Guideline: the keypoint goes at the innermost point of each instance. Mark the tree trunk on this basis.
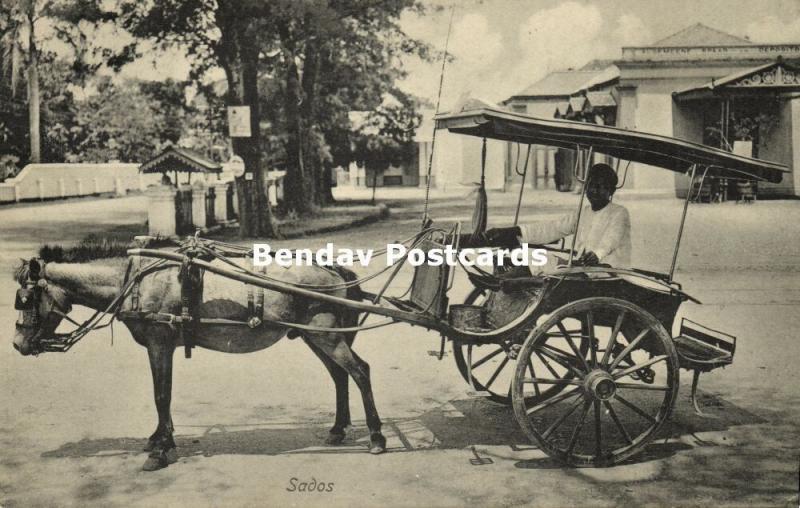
(33, 97)
(255, 216)
(325, 190)
(296, 196)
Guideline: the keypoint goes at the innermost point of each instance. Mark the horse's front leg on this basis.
(160, 349)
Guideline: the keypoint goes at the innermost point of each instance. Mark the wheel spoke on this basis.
(533, 375)
(536, 380)
(613, 339)
(562, 418)
(590, 330)
(633, 407)
(598, 436)
(578, 427)
(614, 417)
(640, 386)
(554, 400)
(572, 346)
(486, 358)
(627, 350)
(560, 358)
(634, 368)
(546, 363)
(496, 373)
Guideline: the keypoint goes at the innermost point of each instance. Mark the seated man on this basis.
(604, 233)
(603, 238)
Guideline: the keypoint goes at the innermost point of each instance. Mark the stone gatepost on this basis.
(119, 189)
(161, 211)
(199, 203)
(221, 202)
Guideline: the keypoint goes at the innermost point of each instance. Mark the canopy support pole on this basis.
(522, 183)
(585, 181)
(683, 221)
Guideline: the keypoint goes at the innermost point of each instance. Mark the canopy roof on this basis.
(174, 158)
(478, 119)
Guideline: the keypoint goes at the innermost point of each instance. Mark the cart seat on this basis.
(429, 285)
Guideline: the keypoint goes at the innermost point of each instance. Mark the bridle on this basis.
(29, 301)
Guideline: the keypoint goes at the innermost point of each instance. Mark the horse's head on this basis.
(41, 307)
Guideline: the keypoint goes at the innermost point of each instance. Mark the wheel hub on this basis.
(600, 385)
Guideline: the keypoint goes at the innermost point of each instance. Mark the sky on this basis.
(502, 46)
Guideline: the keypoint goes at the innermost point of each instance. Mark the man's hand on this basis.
(589, 258)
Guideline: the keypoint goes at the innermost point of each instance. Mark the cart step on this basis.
(701, 348)
(478, 393)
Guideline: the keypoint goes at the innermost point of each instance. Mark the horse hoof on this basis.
(160, 459)
(377, 444)
(150, 446)
(335, 439)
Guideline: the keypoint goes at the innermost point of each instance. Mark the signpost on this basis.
(239, 121)
(236, 165)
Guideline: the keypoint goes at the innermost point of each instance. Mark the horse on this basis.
(97, 277)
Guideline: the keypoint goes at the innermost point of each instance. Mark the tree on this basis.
(332, 58)
(154, 116)
(20, 30)
(229, 34)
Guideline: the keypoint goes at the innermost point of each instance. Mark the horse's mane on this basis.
(93, 247)
(90, 248)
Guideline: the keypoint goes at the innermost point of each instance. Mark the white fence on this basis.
(52, 181)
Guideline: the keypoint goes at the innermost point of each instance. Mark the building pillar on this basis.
(161, 211)
(199, 204)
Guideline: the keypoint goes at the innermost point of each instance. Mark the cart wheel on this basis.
(493, 369)
(620, 395)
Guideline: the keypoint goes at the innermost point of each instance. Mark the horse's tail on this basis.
(354, 292)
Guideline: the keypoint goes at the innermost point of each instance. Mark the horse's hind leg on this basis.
(160, 349)
(342, 383)
(336, 347)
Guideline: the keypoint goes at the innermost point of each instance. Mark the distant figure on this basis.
(165, 180)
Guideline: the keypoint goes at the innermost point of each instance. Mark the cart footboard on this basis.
(702, 349)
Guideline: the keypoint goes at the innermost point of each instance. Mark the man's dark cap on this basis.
(604, 172)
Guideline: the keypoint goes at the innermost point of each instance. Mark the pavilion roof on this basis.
(182, 160)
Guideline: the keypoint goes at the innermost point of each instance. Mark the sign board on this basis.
(248, 176)
(239, 121)
(236, 166)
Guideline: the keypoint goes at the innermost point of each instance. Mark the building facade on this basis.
(700, 84)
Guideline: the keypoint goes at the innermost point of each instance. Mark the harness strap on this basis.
(158, 317)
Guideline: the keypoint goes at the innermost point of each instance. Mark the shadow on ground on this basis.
(483, 423)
